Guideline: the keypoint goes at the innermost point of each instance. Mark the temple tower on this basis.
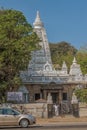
(42, 56)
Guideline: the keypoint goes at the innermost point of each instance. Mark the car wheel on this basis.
(24, 123)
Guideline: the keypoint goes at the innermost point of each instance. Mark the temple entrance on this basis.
(55, 91)
(55, 97)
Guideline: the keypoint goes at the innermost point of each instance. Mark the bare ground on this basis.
(60, 119)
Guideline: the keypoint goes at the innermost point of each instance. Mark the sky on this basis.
(64, 20)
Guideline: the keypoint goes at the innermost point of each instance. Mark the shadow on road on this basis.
(16, 127)
(69, 126)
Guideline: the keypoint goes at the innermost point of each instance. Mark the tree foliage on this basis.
(81, 95)
(82, 58)
(17, 40)
(62, 51)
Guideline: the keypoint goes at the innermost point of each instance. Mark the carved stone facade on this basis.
(41, 78)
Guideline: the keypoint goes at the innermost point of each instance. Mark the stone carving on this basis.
(49, 99)
(74, 99)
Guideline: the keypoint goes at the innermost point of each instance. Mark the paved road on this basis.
(81, 126)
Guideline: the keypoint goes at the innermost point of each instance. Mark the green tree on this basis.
(62, 51)
(81, 95)
(82, 60)
(17, 40)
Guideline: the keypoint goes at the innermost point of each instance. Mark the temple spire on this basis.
(75, 68)
(38, 23)
(64, 68)
(74, 61)
(64, 65)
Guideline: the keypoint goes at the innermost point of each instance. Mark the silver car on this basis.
(12, 117)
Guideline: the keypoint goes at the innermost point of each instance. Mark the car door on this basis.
(10, 117)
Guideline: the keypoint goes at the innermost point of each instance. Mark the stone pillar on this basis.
(45, 95)
(49, 99)
(27, 98)
(75, 105)
(40, 95)
(50, 105)
(60, 96)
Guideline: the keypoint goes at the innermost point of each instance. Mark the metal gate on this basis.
(50, 110)
(65, 108)
(75, 110)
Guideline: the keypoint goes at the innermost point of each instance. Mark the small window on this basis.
(64, 96)
(37, 96)
(8, 111)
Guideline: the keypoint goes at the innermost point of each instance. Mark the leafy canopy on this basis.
(82, 58)
(62, 51)
(82, 95)
(17, 40)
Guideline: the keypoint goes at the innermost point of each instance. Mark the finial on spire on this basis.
(74, 61)
(38, 23)
(38, 14)
(38, 17)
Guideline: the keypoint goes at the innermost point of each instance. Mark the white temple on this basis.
(40, 68)
(41, 78)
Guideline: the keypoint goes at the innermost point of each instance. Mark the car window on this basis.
(8, 111)
(15, 112)
(1, 111)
